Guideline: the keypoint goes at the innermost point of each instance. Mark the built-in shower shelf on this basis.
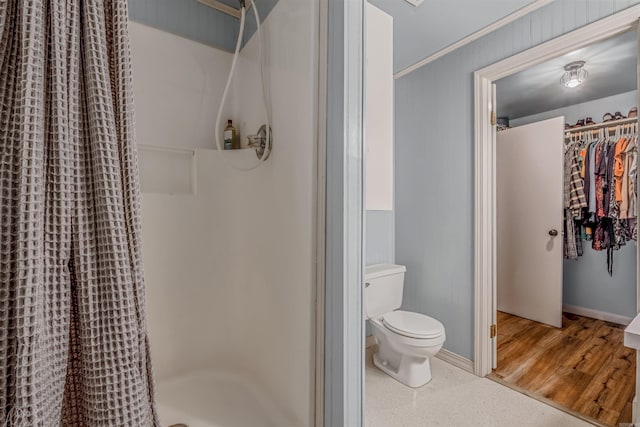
(166, 170)
(192, 150)
(172, 170)
(226, 151)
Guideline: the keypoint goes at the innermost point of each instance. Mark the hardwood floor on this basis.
(583, 367)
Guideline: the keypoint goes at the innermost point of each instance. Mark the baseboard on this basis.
(596, 314)
(455, 360)
(370, 341)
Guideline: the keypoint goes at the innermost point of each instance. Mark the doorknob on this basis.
(553, 232)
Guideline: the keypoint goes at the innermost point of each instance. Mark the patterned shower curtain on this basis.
(73, 341)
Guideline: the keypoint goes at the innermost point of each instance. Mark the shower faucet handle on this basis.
(256, 141)
(261, 143)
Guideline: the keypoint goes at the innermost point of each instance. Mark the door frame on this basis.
(320, 218)
(485, 176)
(340, 326)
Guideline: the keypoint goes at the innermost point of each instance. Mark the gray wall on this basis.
(193, 20)
(586, 282)
(434, 164)
(379, 241)
(379, 237)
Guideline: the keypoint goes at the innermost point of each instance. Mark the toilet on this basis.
(405, 339)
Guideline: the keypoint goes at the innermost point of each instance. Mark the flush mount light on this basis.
(574, 74)
(416, 3)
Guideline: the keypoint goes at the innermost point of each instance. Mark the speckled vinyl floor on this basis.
(454, 398)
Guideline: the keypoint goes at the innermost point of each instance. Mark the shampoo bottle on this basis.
(230, 136)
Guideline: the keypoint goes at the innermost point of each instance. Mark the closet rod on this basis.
(609, 124)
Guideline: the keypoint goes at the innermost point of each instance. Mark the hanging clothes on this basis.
(592, 179)
(576, 197)
(600, 193)
(574, 201)
(627, 210)
(601, 160)
(621, 146)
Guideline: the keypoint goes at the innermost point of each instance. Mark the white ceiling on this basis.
(421, 31)
(611, 65)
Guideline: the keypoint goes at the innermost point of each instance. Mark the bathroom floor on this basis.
(583, 367)
(453, 398)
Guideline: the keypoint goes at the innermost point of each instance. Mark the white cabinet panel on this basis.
(379, 110)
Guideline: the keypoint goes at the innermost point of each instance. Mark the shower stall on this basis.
(229, 254)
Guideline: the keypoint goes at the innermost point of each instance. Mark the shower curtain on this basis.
(73, 341)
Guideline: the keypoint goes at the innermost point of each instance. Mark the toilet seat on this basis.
(413, 325)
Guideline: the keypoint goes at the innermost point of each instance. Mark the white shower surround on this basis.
(230, 270)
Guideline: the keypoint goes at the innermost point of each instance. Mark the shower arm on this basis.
(225, 8)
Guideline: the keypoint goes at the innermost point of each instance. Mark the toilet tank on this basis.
(383, 285)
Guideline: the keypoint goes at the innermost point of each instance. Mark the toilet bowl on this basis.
(406, 339)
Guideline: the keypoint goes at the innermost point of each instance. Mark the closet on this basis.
(566, 230)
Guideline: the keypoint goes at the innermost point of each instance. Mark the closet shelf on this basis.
(609, 124)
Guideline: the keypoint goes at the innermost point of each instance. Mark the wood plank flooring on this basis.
(583, 367)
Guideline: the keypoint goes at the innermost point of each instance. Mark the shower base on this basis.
(215, 399)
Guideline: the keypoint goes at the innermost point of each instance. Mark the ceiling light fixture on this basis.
(416, 3)
(574, 74)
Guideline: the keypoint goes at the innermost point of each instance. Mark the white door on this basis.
(529, 187)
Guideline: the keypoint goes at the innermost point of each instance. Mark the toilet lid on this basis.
(413, 325)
